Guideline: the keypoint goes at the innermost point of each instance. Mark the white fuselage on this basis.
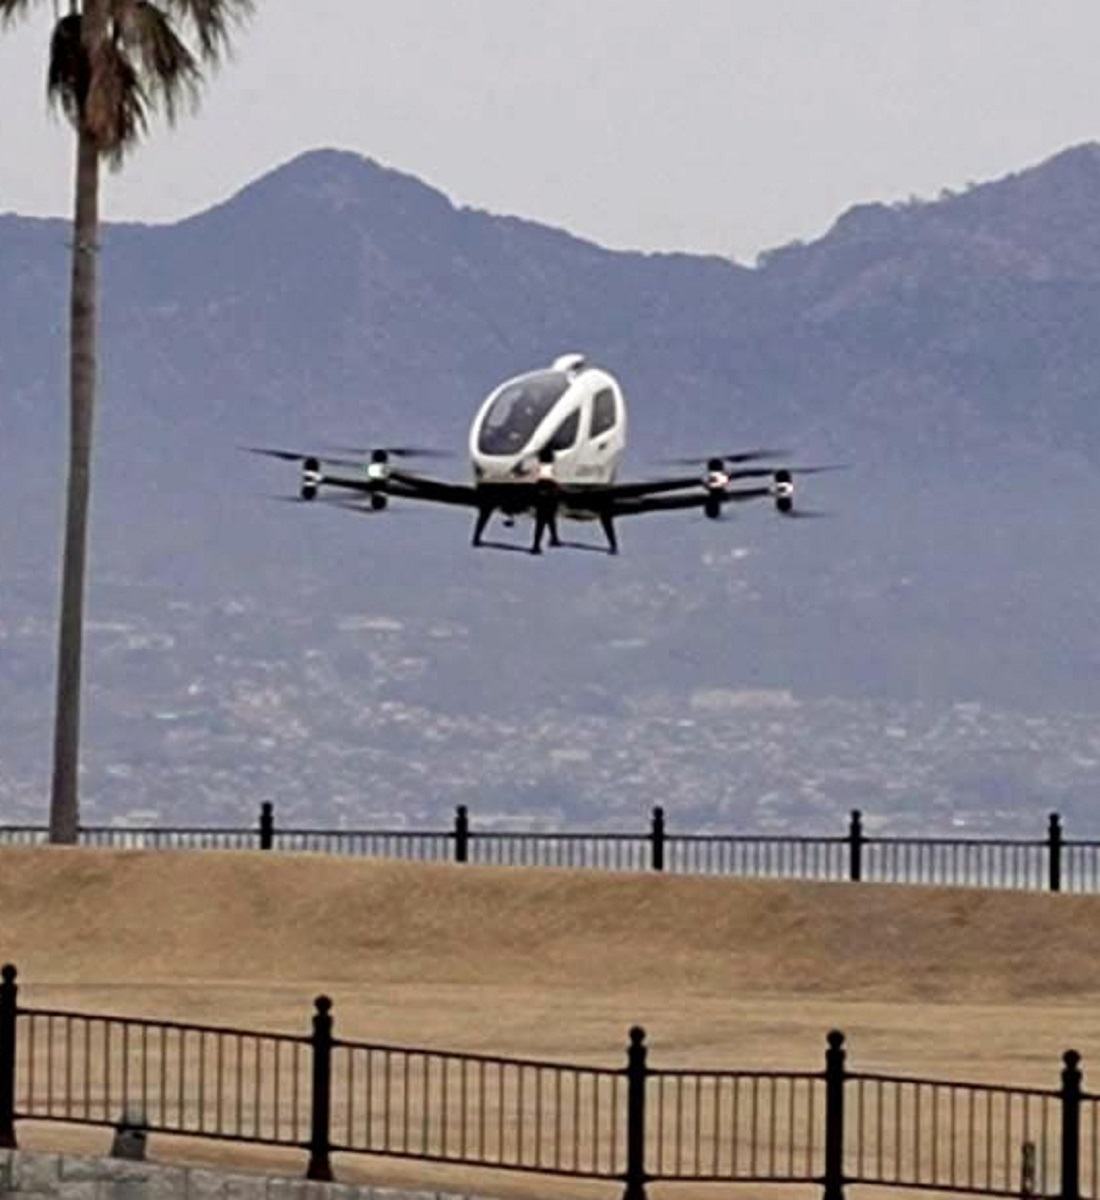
(567, 423)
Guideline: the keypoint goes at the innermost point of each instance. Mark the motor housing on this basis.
(715, 481)
(783, 491)
(311, 478)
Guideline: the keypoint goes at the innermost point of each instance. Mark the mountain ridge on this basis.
(347, 303)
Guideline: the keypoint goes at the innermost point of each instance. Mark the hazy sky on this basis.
(720, 125)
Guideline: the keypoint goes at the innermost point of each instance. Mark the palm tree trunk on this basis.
(64, 798)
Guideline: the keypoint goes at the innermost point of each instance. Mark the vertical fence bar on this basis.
(462, 834)
(635, 1116)
(320, 1166)
(8, 994)
(834, 1117)
(657, 839)
(1071, 1126)
(1054, 852)
(855, 846)
(267, 825)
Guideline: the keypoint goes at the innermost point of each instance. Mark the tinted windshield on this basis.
(517, 411)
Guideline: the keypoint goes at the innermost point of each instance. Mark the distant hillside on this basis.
(335, 293)
(945, 350)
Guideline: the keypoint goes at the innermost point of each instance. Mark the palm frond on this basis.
(67, 75)
(169, 71)
(115, 109)
(212, 21)
(12, 10)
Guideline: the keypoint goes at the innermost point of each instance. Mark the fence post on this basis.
(855, 846)
(462, 834)
(635, 1115)
(834, 1117)
(1054, 848)
(657, 839)
(267, 825)
(320, 1168)
(1071, 1126)
(8, 994)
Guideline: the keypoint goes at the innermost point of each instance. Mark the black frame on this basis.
(1052, 862)
(633, 1125)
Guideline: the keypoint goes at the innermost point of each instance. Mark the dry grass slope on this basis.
(555, 963)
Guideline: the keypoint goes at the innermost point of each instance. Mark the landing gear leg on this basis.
(546, 520)
(608, 527)
(483, 515)
(543, 521)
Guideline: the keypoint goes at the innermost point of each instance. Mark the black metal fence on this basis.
(631, 1124)
(1052, 862)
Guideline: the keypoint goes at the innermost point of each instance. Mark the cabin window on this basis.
(566, 433)
(516, 413)
(603, 412)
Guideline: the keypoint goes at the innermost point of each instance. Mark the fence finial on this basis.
(320, 1165)
(1071, 1126)
(1054, 852)
(657, 839)
(855, 846)
(462, 834)
(267, 825)
(834, 1116)
(636, 1072)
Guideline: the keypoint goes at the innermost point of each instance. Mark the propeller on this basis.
(285, 455)
(393, 451)
(764, 472)
(298, 456)
(739, 456)
(798, 514)
(364, 507)
(366, 510)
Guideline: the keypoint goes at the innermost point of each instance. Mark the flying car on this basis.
(547, 445)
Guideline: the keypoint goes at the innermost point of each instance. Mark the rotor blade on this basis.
(419, 452)
(343, 462)
(298, 456)
(285, 455)
(395, 451)
(741, 456)
(347, 505)
(738, 456)
(363, 508)
(764, 472)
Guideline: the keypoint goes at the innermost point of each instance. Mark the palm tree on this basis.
(110, 63)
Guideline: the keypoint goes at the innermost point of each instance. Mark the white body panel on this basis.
(523, 416)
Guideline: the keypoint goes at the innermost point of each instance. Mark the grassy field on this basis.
(554, 964)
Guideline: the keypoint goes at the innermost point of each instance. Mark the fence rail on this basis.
(1050, 863)
(479, 1110)
(182, 1079)
(633, 1124)
(735, 1126)
(957, 1137)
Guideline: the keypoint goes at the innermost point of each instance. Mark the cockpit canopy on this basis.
(518, 410)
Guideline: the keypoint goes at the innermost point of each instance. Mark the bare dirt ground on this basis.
(973, 985)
